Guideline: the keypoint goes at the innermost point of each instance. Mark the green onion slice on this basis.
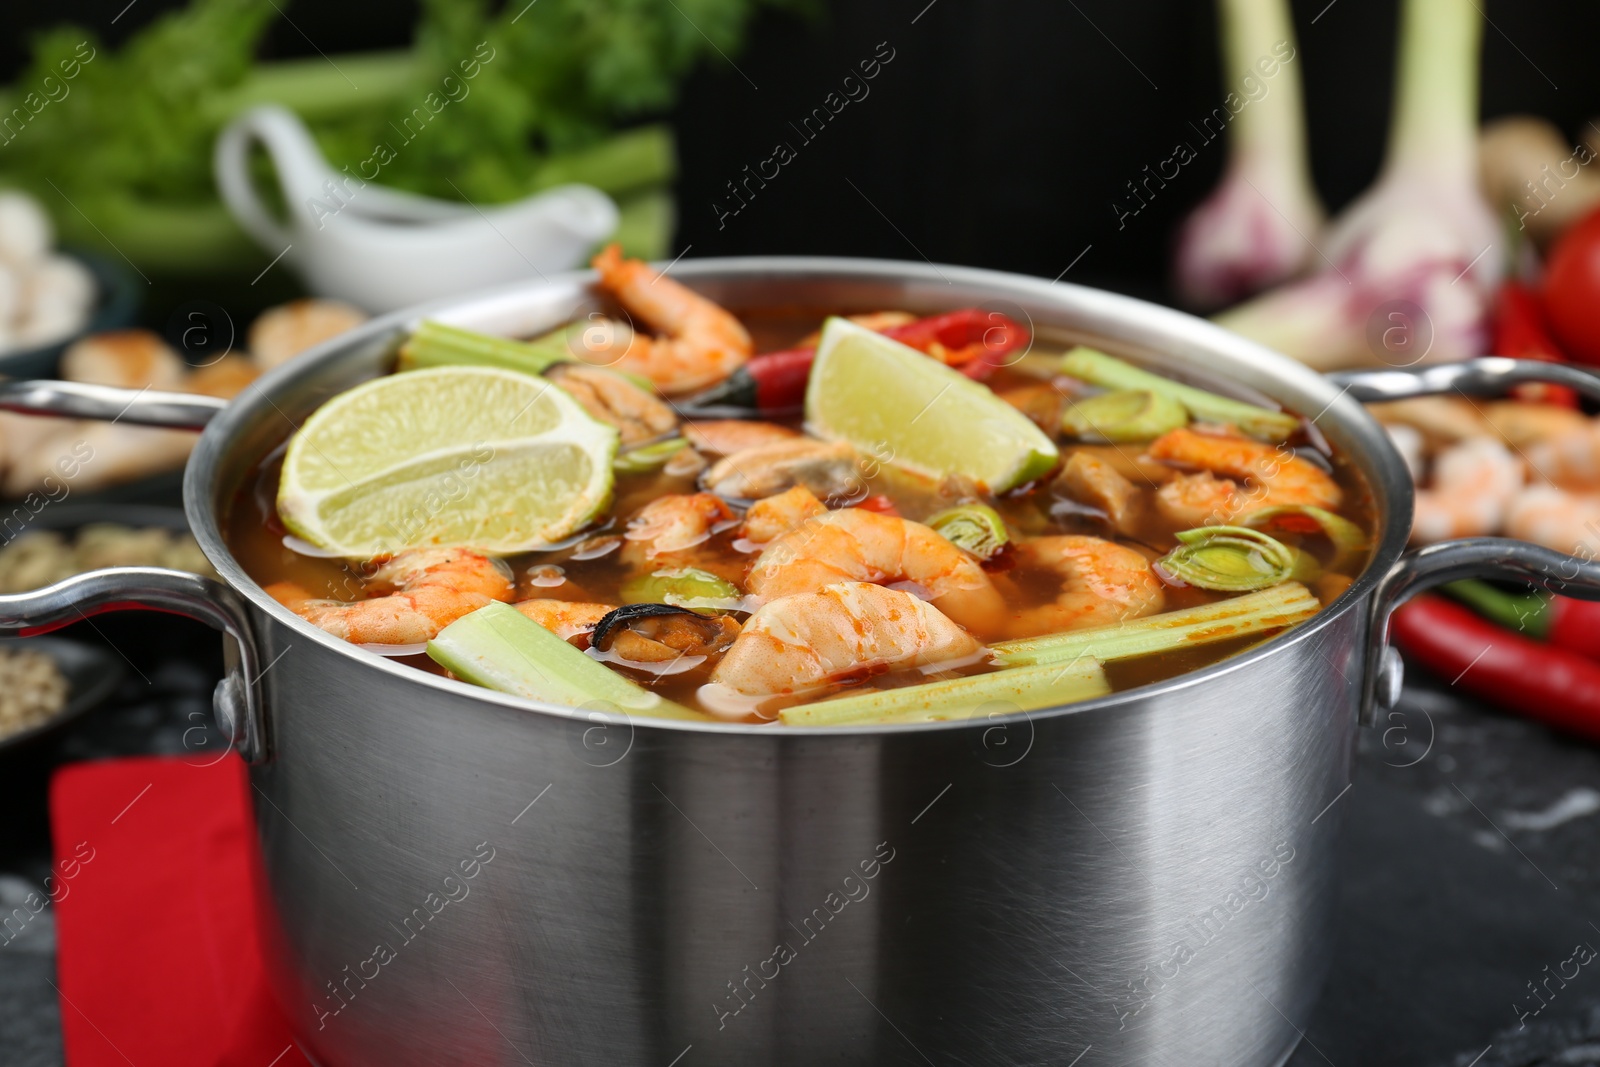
(1229, 559)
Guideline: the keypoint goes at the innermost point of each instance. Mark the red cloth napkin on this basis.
(158, 957)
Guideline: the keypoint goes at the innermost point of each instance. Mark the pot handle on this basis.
(1446, 561)
(1487, 557)
(79, 400)
(1489, 376)
(237, 698)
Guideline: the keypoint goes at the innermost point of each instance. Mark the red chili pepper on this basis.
(1556, 620)
(1550, 685)
(878, 503)
(971, 340)
(1521, 331)
(971, 337)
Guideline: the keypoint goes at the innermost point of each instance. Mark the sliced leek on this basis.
(1229, 559)
(643, 459)
(500, 648)
(682, 587)
(974, 696)
(1124, 415)
(1254, 613)
(1349, 540)
(1108, 372)
(977, 528)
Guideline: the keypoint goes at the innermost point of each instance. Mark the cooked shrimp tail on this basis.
(1234, 476)
(700, 342)
(429, 589)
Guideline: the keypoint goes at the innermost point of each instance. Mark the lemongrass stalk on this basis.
(974, 696)
(502, 649)
(1108, 372)
(434, 344)
(1254, 613)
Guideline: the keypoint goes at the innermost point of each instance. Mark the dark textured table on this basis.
(1472, 864)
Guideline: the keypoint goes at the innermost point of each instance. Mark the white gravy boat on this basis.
(382, 249)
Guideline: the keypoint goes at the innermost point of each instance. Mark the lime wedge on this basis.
(898, 405)
(477, 456)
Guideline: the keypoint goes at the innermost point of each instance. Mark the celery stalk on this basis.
(1254, 613)
(500, 648)
(315, 89)
(1097, 368)
(436, 345)
(623, 162)
(1000, 693)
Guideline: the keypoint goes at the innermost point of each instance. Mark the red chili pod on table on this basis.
(1550, 685)
(1555, 620)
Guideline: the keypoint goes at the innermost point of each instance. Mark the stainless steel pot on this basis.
(458, 876)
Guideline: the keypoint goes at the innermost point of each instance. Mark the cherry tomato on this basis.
(1572, 290)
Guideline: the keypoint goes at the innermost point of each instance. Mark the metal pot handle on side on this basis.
(237, 699)
(1470, 557)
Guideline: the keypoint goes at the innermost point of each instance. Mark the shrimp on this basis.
(1442, 420)
(1102, 583)
(676, 523)
(615, 401)
(667, 532)
(1473, 482)
(570, 620)
(854, 545)
(1521, 423)
(804, 642)
(1570, 459)
(776, 515)
(1277, 476)
(1555, 518)
(432, 587)
(827, 468)
(723, 437)
(701, 344)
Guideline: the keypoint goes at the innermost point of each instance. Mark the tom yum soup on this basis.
(909, 519)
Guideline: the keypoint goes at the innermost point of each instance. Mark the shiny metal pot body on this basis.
(457, 876)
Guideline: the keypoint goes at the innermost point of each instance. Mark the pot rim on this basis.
(1384, 470)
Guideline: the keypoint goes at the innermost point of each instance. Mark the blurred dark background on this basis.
(1000, 133)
